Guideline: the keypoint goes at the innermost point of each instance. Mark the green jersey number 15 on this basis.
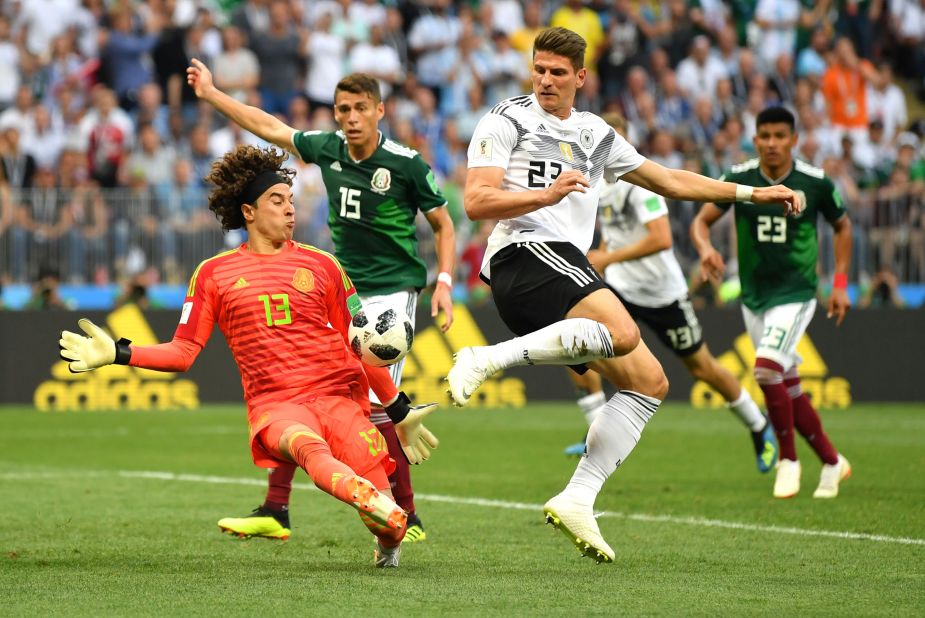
(349, 203)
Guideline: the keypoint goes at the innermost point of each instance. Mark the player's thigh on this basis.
(536, 284)
(407, 301)
(781, 329)
(353, 439)
(637, 371)
(273, 424)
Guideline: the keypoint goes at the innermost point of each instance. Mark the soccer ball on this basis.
(380, 335)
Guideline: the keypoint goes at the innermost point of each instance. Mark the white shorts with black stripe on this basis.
(777, 331)
(535, 284)
(407, 301)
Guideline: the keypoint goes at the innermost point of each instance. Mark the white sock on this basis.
(592, 405)
(567, 342)
(611, 439)
(748, 412)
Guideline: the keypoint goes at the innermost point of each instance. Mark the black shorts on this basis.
(535, 284)
(675, 325)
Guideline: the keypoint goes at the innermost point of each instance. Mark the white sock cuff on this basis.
(585, 340)
(743, 397)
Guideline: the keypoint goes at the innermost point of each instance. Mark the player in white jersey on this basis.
(536, 165)
(638, 263)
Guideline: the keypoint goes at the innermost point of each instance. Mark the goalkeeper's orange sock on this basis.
(313, 455)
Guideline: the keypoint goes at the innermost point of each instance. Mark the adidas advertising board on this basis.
(842, 365)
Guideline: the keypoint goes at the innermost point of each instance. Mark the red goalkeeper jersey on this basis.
(285, 317)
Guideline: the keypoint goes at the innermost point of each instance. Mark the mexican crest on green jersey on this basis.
(372, 205)
(778, 253)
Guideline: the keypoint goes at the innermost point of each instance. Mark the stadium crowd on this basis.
(104, 147)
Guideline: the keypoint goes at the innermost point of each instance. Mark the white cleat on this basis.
(831, 476)
(466, 375)
(578, 524)
(787, 483)
(386, 558)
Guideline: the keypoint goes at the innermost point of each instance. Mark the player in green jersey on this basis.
(375, 189)
(777, 270)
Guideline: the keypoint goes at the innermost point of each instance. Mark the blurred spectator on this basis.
(700, 71)
(886, 102)
(433, 38)
(908, 20)
(882, 291)
(279, 52)
(175, 47)
(18, 165)
(43, 20)
(152, 110)
(470, 261)
(727, 51)
(625, 43)
(9, 64)
(85, 217)
(844, 86)
(300, 114)
(199, 154)
(471, 68)
(46, 295)
(508, 74)
(368, 13)
(126, 54)
(781, 78)
(37, 225)
(680, 31)
(326, 56)
(236, 69)
(106, 133)
(42, 140)
(856, 19)
(522, 37)
(394, 35)
(135, 292)
(149, 158)
(20, 114)
(374, 57)
(811, 62)
(252, 17)
(777, 22)
(673, 108)
(662, 149)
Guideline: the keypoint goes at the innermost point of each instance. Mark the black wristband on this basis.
(123, 352)
(398, 409)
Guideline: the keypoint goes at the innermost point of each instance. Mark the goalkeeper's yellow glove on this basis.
(416, 440)
(95, 350)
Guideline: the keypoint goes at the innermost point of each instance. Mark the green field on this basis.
(114, 514)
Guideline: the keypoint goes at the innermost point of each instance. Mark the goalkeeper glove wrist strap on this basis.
(123, 352)
(398, 409)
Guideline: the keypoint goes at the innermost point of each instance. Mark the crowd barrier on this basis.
(874, 356)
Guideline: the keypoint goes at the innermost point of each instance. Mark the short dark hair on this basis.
(776, 114)
(562, 42)
(360, 83)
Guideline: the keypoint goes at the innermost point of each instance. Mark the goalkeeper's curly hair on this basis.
(233, 172)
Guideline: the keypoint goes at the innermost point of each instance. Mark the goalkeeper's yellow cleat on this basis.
(262, 523)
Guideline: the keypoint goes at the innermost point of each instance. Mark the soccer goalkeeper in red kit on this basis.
(284, 309)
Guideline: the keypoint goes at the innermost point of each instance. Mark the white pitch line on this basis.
(500, 504)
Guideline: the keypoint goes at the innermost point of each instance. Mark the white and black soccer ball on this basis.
(380, 335)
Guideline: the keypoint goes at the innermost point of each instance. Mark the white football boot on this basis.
(577, 522)
(468, 373)
(831, 476)
(787, 483)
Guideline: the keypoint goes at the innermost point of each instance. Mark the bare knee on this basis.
(625, 336)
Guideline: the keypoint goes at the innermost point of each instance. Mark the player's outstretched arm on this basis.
(96, 349)
(711, 262)
(839, 303)
(684, 185)
(485, 199)
(255, 120)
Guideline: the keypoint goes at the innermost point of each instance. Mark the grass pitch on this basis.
(113, 514)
